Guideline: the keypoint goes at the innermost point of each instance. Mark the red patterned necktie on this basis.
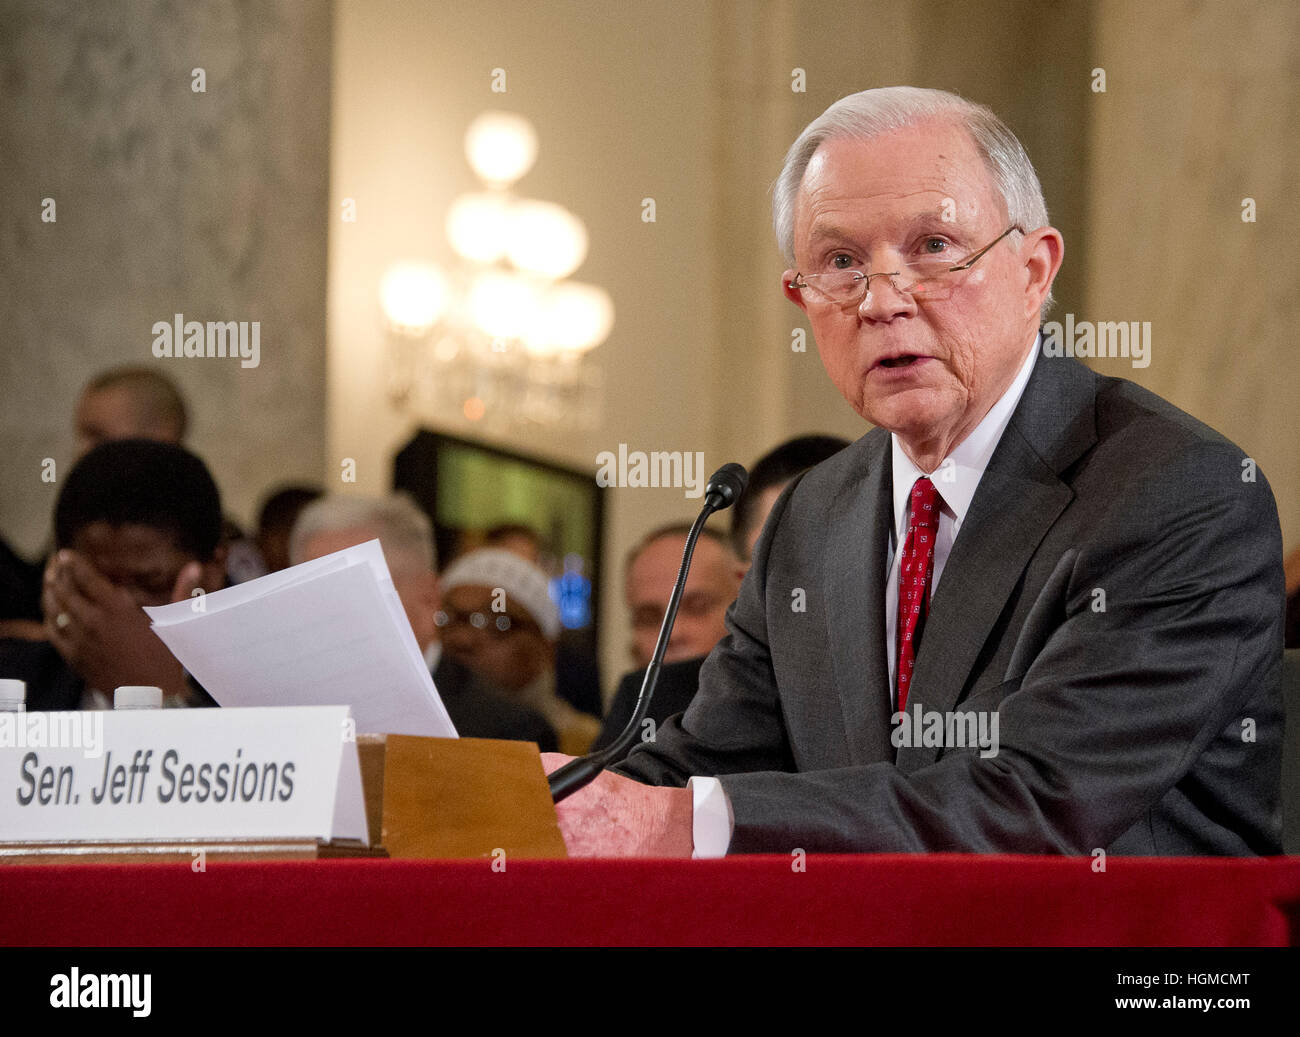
(914, 577)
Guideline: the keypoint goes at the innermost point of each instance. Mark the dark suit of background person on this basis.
(478, 713)
(1120, 729)
(672, 694)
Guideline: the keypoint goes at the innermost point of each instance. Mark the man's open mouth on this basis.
(901, 361)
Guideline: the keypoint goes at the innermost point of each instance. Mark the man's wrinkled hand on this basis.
(615, 816)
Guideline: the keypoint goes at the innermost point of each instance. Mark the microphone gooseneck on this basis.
(723, 489)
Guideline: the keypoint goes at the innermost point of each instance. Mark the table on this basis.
(858, 900)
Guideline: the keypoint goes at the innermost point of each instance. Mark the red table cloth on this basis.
(749, 901)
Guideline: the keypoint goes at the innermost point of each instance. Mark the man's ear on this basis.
(791, 292)
(1044, 250)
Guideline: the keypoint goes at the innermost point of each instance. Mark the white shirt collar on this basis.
(960, 472)
(433, 655)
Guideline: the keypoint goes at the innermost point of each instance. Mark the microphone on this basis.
(725, 486)
(723, 489)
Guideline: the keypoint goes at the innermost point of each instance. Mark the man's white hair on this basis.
(404, 530)
(871, 113)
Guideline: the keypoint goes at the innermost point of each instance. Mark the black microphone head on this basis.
(726, 485)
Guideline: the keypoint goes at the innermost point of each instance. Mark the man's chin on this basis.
(906, 412)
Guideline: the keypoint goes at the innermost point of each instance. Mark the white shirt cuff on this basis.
(713, 822)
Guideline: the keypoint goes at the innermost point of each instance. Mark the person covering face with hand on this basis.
(138, 523)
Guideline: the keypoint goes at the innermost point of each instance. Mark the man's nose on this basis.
(884, 300)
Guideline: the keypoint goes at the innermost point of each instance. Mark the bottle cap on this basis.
(13, 696)
(137, 696)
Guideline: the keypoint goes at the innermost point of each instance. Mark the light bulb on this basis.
(477, 226)
(546, 239)
(413, 296)
(570, 317)
(503, 305)
(501, 147)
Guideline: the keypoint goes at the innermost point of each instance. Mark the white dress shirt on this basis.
(956, 478)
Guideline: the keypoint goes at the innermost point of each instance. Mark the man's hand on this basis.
(618, 817)
(102, 633)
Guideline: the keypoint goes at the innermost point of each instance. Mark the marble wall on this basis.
(166, 200)
(1192, 188)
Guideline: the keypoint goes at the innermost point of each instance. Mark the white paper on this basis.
(327, 632)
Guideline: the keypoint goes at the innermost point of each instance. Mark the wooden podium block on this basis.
(466, 797)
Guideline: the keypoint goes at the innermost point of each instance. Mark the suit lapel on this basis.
(854, 578)
(1018, 500)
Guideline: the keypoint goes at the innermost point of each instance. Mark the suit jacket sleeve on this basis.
(1136, 662)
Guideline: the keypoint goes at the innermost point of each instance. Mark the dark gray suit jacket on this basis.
(1151, 726)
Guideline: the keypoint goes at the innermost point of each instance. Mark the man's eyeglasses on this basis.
(921, 277)
(496, 624)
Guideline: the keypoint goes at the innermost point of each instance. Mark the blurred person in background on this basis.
(129, 402)
(518, 538)
(138, 523)
(275, 522)
(651, 570)
(1292, 572)
(577, 670)
(477, 707)
(497, 618)
(653, 567)
(769, 475)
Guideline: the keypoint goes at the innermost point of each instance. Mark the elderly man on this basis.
(1089, 573)
(339, 521)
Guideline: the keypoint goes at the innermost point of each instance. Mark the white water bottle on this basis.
(13, 696)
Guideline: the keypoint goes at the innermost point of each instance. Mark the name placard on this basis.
(164, 774)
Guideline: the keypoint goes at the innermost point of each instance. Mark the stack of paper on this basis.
(329, 632)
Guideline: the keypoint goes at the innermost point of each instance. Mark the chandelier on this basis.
(503, 336)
